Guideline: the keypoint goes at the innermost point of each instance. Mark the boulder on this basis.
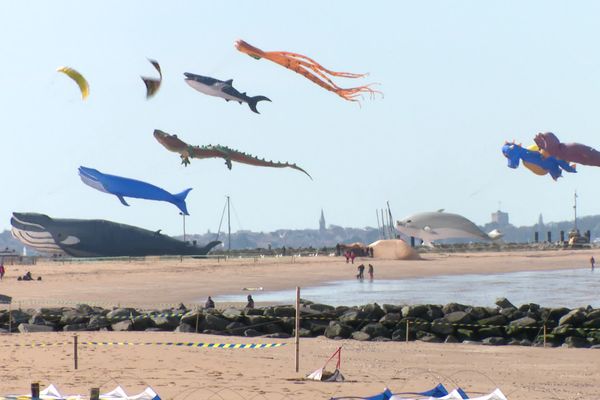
(592, 324)
(453, 307)
(31, 328)
(390, 320)
(490, 332)
(433, 312)
(142, 322)
(353, 317)
(392, 308)
(465, 334)
(121, 314)
(458, 318)
(122, 326)
(191, 317)
(512, 313)
(303, 332)
(575, 342)
(451, 339)
(75, 327)
(185, 328)
(574, 317)
(373, 311)
(215, 323)
(503, 302)
(362, 336)
(164, 322)
(524, 322)
(322, 308)
(236, 328)
(284, 311)
(494, 341)
(494, 320)
(251, 333)
(441, 327)
(98, 322)
(70, 317)
(279, 335)
(416, 311)
(233, 314)
(376, 329)
(428, 337)
(477, 313)
(337, 329)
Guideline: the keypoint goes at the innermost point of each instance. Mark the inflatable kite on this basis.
(222, 89)
(310, 69)
(535, 160)
(186, 151)
(152, 84)
(78, 78)
(125, 187)
(570, 152)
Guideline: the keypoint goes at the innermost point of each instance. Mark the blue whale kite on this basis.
(125, 187)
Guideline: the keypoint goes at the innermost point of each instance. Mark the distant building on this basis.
(500, 218)
(322, 226)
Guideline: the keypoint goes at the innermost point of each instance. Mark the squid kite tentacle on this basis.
(311, 70)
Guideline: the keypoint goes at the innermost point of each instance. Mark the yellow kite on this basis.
(78, 78)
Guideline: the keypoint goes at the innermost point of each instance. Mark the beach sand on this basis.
(204, 373)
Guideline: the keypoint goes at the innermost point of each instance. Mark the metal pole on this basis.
(378, 226)
(392, 233)
(75, 350)
(183, 226)
(407, 323)
(297, 340)
(383, 223)
(575, 209)
(228, 225)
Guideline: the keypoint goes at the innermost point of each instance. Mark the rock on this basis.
(453, 307)
(557, 313)
(575, 342)
(593, 314)
(573, 317)
(381, 339)
(31, 328)
(251, 333)
(317, 327)
(340, 310)
(362, 336)
(84, 309)
(236, 328)
(376, 329)
(465, 334)
(337, 329)
(121, 314)
(322, 308)
(18, 317)
(253, 311)
(563, 330)
(216, 323)
(451, 339)
(97, 322)
(185, 328)
(592, 324)
(37, 319)
(373, 311)
(353, 317)
(494, 341)
(392, 308)
(525, 321)
(303, 332)
(503, 302)
(143, 322)
(232, 314)
(428, 337)
(441, 327)
(495, 320)
(51, 314)
(255, 319)
(122, 326)
(164, 322)
(434, 312)
(75, 327)
(390, 320)
(458, 317)
(191, 317)
(477, 313)
(399, 335)
(417, 311)
(484, 333)
(70, 317)
(279, 335)
(284, 311)
(512, 313)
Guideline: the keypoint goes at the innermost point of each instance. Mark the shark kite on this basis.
(186, 151)
(125, 187)
(222, 89)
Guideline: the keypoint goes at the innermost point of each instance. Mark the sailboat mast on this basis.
(378, 226)
(575, 209)
(228, 225)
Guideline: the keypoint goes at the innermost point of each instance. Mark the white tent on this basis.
(52, 393)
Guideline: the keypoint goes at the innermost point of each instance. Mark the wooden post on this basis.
(197, 318)
(544, 335)
(75, 351)
(35, 391)
(9, 318)
(297, 340)
(95, 394)
(407, 326)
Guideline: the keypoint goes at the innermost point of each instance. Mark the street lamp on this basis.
(183, 215)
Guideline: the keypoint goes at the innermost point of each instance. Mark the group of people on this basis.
(361, 272)
(211, 304)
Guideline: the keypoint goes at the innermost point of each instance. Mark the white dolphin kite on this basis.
(432, 226)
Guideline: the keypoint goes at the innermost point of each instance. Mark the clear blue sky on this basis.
(459, 78)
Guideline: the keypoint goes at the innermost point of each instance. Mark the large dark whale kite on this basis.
(310, 69)
(96, 238)
(222, 89)
(186, 151)
(535, 161)
(125, 187)
(570, 152)
(152, 84)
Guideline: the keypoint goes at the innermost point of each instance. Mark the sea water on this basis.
(559, 288)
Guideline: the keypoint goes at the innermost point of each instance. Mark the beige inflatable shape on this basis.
(394, 249)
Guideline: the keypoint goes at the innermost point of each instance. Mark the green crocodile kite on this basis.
(186, 151)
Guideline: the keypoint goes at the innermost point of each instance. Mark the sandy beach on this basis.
(205, 373)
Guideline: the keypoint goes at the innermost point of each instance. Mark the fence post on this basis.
(297, 340)
(407, 326)
(544, 335)
(9, 318)
(197, 318)
(75, 351)
(35, 391)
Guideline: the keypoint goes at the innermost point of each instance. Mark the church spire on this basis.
(322, 226)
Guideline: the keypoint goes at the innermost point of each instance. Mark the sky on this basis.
(459, 78)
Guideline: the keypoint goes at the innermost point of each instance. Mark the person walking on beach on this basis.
(2, 270)
(250, 303)
(361, 272)
(371, 272)
(209, 303)
(592, 262)
(352, 256)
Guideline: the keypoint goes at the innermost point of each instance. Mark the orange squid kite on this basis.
(311, 70)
